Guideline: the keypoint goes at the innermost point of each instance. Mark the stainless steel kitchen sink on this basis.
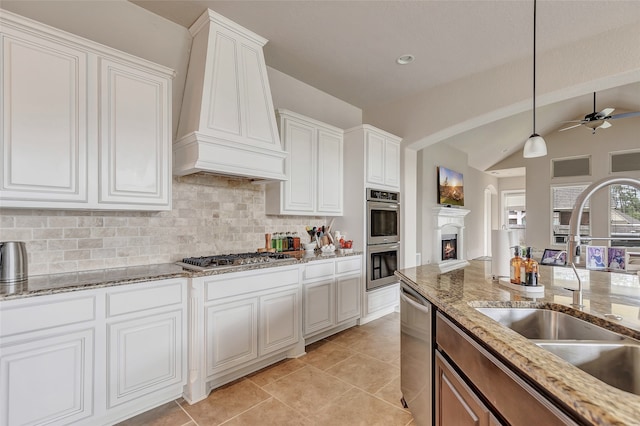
(617, 364)
(544, 324)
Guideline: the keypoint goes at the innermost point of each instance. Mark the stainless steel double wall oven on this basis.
(383, 237)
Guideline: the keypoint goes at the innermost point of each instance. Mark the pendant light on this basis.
(535, 145)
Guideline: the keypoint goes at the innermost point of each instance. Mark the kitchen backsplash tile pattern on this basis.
(211, 215)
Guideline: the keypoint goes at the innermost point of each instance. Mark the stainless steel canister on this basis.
(13, 262)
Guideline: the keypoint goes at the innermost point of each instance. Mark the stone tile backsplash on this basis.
(210, 215)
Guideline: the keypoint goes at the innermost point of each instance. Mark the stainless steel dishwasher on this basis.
(416, 355)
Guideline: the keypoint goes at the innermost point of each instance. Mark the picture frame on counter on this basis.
(554, 257)
(596, 257)
(633, 261)
(616, 259)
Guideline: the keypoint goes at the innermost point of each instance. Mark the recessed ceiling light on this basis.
(405, 59)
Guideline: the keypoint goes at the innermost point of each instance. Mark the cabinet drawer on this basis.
(234, 284)
(352, 264)
(44, 312)
(318, 270)
(144, 296)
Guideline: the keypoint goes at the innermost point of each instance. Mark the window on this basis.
(624, 218)
(563, 198)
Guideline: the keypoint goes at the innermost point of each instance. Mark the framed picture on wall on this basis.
(596, 257)
(616, 259)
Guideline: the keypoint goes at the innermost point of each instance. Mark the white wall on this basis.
(475, 182)
(409, 206)
(623, 135)
(294, 95)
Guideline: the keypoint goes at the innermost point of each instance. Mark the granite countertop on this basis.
(74, 281)
(458, 292)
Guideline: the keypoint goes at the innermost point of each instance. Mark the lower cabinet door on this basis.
(456, 403)
(232, 334)
(48, 380)
(279, 323)
(145, 355)
(348, 300)
(319, 306)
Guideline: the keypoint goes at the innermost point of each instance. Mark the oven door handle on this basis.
(381, 248)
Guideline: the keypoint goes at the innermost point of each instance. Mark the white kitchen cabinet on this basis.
(314, 168)
(279, 320)
(348, 297)
(146, 336)
(48, 379)
(135, 137)
(232, 334)
(332, 293)
(382, 158)
(94, 122)
(319, 306)
(96, 356)
(240, 323)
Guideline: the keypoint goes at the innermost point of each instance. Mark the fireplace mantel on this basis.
(449, 220)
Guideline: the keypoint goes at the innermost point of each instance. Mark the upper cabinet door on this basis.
(392, 163)
(299, 190)
(314, 168)
(375, 158)
(135, 136)
(330, 166)
(383, 159)
(44, 121)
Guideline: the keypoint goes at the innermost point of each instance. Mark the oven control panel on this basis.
(378, 195)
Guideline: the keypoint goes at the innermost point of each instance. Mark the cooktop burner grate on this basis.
(205, 263)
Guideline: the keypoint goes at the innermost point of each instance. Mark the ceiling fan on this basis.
(599, 120)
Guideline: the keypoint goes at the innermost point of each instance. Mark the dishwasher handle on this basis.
(413, 299)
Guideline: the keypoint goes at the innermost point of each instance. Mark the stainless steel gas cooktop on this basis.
(210, 263)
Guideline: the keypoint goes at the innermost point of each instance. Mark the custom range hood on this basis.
(227, 122)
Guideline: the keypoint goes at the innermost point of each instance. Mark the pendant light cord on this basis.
(534, 67)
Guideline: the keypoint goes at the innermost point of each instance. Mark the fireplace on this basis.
(448, 238)
(449, 246)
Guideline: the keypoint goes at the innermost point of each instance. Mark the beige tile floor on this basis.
(351, 378)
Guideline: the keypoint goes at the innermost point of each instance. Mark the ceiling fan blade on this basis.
(573, 121)
(625, 115)
(570, 127)
(604, 113)
(604, 125)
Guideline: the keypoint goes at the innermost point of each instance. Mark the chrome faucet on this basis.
(573, 243)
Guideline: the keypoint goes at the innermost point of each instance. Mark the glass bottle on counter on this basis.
(290, 240)
(285, 241)
(274, 241)
(531, 270)
(516, 267)
(296, 241)
(278, 240)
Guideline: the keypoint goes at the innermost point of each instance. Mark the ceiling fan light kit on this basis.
(535, 146)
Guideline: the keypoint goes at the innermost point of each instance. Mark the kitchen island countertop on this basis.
(38, 285)
(457, 293)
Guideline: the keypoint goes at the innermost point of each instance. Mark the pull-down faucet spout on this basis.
(573, 244)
